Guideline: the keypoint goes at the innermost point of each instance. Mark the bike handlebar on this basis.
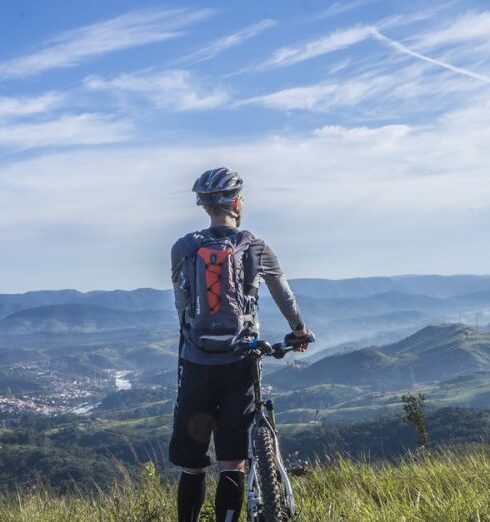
(259, 348)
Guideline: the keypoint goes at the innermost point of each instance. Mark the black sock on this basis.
(229, 496)
(190, 496)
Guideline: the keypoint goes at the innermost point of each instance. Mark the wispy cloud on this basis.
(431, 13)
(381, 84)
(211, 50)
(438, 63)
(468, 28)
(132, 29)
(333, 42)
(342, 7)
(342, 38)
(377, 94)
(23, 106)
(175, 90)
(82, 129)
(316, 97)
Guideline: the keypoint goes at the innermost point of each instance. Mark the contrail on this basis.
(403, 49)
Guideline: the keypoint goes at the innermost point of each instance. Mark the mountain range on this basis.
(373, 310)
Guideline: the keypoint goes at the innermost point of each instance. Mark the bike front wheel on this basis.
(273, 509)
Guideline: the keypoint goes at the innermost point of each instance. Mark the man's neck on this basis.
(223, 221)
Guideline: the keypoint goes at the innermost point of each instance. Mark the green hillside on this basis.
(443, 338)
(435, 353)
(469, 391)
(132, 427)
(441, 487)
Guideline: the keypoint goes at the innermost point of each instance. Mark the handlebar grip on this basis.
(311, 337)
(292, 340)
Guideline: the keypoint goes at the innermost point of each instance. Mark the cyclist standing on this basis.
(216, 274)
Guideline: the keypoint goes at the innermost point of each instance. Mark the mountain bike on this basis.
(269, 491)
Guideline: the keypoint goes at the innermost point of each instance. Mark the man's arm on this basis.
(177, 256)
(280, 290)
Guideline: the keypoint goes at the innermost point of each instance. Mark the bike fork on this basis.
(288, 489)
(254, 498)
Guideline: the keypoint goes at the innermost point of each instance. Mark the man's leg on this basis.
(236, 411)
(230, 490)
(191, 493)
(193, 421)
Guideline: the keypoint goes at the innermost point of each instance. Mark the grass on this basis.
(446, 487)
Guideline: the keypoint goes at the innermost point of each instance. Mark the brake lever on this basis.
(279, 353)
(280, 350)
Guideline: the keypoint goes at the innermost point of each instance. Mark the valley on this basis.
(89, 378)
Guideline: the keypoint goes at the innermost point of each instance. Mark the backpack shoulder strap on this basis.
(192, 242)
(245, 240)
(181, 332)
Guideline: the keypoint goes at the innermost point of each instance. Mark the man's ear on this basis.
(235, 204)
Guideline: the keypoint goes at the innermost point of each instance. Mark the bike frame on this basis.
(253, 486)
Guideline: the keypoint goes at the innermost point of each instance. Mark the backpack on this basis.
(218, 312)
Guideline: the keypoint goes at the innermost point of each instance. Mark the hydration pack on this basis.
(218, 311)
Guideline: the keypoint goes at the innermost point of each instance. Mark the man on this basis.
(216, 274)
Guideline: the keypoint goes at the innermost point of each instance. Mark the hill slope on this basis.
(131, 300)
(435, 353)
(65, 318)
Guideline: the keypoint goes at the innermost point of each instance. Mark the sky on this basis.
(361, 129)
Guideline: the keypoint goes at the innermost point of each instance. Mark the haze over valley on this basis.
(100, 367)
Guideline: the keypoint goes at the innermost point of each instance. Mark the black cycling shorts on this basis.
(215, 399)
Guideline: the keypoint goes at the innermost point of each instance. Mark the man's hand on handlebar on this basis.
(299, 339)
(260, 348)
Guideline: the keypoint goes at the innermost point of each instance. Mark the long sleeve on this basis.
(279, 288)
(178, 279)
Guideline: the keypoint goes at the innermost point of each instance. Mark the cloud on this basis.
(132, 29)
(316, 97)
(413, 89)
(381, 86)
(468, 28)
(333, 42)
(82, 129)
(340, 8)
(438, 63)
(408, 18)
(23, 106)
(175, 90)
(462, 41)
(377, 200)
(342, 38)
(211, 50)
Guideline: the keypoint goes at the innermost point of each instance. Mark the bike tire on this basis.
(270, 485)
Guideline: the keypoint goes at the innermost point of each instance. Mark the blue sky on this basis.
(361, 129)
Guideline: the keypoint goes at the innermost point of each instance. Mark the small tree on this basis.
(414, 414)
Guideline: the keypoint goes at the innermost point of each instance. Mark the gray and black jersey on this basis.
(260, 263)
